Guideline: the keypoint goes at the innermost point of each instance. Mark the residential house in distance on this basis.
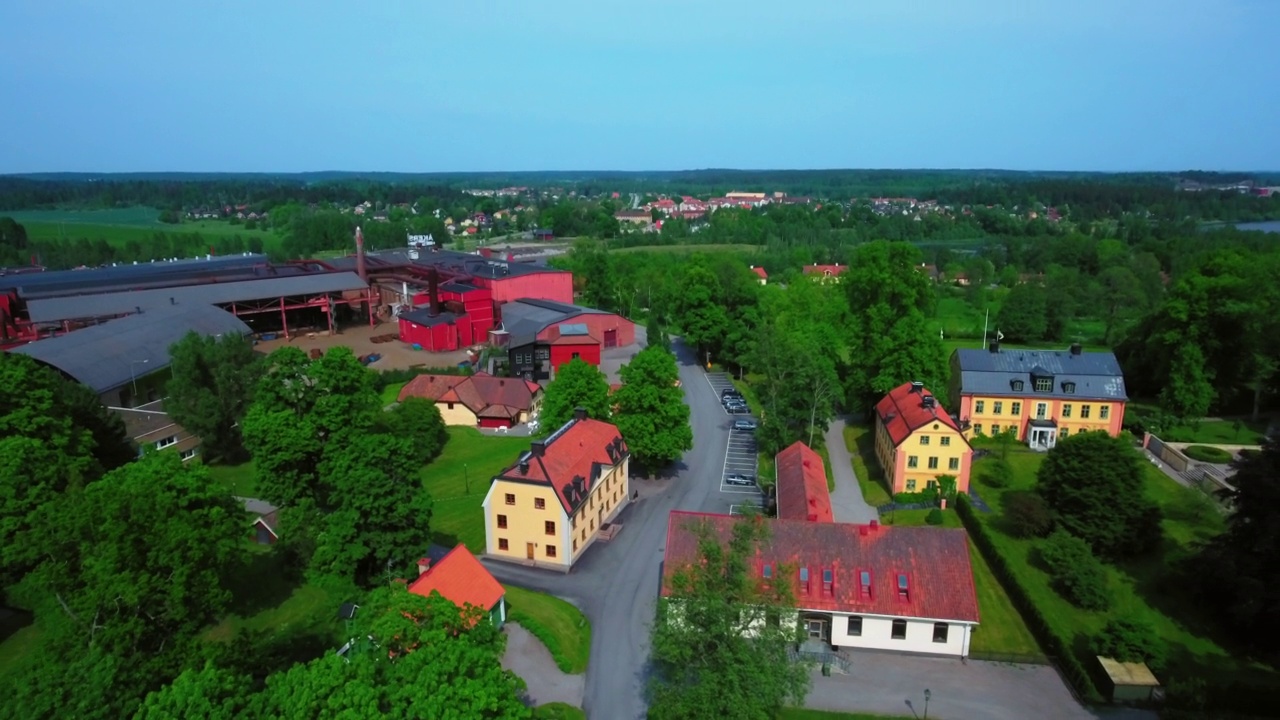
(802, 485)
(825, 273)
(480, 400)
(462, 580)
(907, 589)
(266, 520)
(916, 441)
(761, 274)
(1039, 395)
(635, 217)
(560, 496)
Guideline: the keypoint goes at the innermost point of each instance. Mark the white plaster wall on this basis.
(877, 634)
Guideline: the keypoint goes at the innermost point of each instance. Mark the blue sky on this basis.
(484, 85)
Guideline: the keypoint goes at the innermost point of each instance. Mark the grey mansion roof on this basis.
(1096, 375)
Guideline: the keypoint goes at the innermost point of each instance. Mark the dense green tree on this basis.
(1022, 315)
(1093, 483)
(698, 310)
(209, 693)
(720, 642)
(1189, 391)
(1236, 571)
(1129, 639)
(418, 421)
(651, 413)
(210, 389)
(577, 384)
(1077, 574)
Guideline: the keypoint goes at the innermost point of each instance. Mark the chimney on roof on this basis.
(863, 530)
(875, 525)
(928, 401)
(524, 466)
(361, 270)
(994, 346)
(138, 308)
(433, 292)
(917, 387)
(424, 564)
(502, 383)
(538, 448)
(579, 413)
(1076, 349)
(173, 301)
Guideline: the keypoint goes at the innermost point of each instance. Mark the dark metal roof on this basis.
(120, 303)
(525, 318)
(424, 317)
(108, 355)
(458, 287)
(102, 278)
(1097, 375)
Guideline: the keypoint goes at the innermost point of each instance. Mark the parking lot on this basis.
(738, 476)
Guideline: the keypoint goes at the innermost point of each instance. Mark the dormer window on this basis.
(804, 580)
(904, 592)
(1069, 388)
(768, 571)
(1044, 384)
(1018, 385)
(864, 584)
(828, 582)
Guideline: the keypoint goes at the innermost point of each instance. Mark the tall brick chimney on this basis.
(361, 270)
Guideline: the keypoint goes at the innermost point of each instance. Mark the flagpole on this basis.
(984, 327)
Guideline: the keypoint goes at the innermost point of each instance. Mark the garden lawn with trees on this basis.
(458, 480)
(560, 626)
(1143, 586)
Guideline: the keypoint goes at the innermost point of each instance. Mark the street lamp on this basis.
(466, 477)
(927, 695)
(133, 377)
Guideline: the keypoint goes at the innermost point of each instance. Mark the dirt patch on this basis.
(527, 657)
(396, 355)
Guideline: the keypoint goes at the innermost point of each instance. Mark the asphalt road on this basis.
(616, 584)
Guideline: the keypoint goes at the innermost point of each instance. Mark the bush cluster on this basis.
(1129, 640)
(1205, 453)
(996, 474)
(1026, 514)
(934, 517)
(1077, 575)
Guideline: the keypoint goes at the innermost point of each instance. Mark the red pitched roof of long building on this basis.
(934, 561)
(802, 485)
(481, 393)
(903, 411)
(581, 450)
(460, 578)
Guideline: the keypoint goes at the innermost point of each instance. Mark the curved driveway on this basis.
(616, 584)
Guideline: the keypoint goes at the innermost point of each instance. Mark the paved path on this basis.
(527, 657)
(847, 503)
(884, 683)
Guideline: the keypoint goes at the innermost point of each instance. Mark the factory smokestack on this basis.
(361, 270)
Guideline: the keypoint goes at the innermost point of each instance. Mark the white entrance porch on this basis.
(1042, 435)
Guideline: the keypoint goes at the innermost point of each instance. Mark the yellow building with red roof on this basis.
(917, 441)
(560, 496)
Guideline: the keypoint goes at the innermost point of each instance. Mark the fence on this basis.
(1077, 678)
(1165, 454)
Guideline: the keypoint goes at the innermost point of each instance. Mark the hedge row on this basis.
(1058, 647)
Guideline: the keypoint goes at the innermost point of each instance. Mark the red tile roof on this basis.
(825, 269)
(583, 449)
(429, 387)
(482, 393)
(460, 578)
(934, 560)
(760, 271)
(802, 485)
(903, 412)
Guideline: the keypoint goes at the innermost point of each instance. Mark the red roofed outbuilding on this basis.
(908, 589)
(480, 400)
(825, 273)
(462, 580)
(917, 441)
(560, 496)
(760, 273)
(802, 485)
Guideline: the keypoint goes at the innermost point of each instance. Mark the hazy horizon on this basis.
(578, 86)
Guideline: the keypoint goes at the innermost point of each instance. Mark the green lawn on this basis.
(861, 441)
(915, 518)
(119, 226)
(306, 606)
(20, 640)
(689, 249)
(560, 626)
(558, 711)
(391, 393)
(1218, 432)
(1001, 630)
(805, 714)
(237, 479)
(1142, 588)
(459, 479)
(961, 326)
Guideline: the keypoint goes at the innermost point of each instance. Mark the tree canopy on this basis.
(577, 384)
(651, 413)
(211, 388)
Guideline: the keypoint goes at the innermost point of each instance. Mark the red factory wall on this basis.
(554, 285)
(589, 352)
(604, 327)
(437, 338)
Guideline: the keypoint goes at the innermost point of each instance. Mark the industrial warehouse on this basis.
(110, 328)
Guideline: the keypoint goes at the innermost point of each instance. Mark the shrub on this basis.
(1129, 640)
(997, 474)
(1077, 575)
(934, 517)
(1026, 514)
(1205, 453)
(928, 495)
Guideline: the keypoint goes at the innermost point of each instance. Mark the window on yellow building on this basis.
(1063, 433)
(551, 551)
(980, 406)
(575, 546)
(1066, 410)
(539, 504)
(953, 464)
(977, 429)
(502, 543)
(911, 486)
(1104, 412)
(933, 463)
(998, 407)
(550, 527)
(945, 441)
(502, 522)
(924, 439)
(1084, 412)
(995, 429)
(1016, 408)
(511, 499)
(912, 461)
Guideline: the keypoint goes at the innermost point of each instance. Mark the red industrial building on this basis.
(542, 335)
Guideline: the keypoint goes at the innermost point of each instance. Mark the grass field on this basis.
(1142, 588)
(391, 393)
(860, 439)
(237, 479)
(1219, 432)
(20, 640)
(560, 626)
(961, 327)
(558, 711)
(119, 226)
(689, 249)
(459, 479)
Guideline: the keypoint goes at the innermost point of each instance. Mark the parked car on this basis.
(730, 392)
(744, 424)
(739, 479)
(738, 409)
